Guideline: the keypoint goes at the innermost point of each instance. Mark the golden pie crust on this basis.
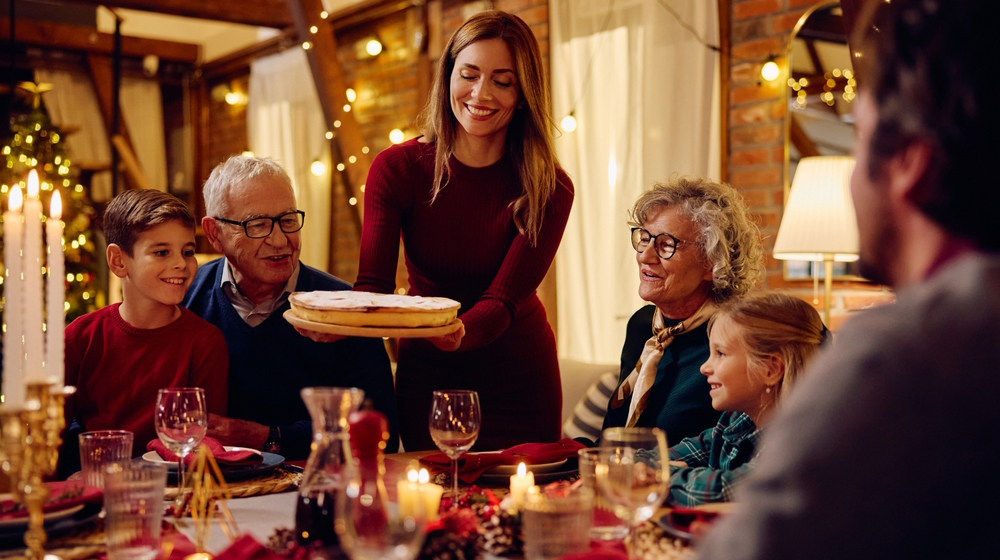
(366, 309)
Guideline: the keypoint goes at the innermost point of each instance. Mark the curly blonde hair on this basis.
(728, 238)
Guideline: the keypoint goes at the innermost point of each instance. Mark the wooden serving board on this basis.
(371, 332)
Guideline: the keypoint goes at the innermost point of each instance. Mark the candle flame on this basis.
(411, 475)
(33, 185)
(521, 469)
(55, 206)
(425, 477)
(15, 200)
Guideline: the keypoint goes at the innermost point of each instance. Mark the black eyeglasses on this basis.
(664, 244)
(257, 228)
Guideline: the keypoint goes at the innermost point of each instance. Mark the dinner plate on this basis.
(22, 521)
(492, 479)
(231, 472)
(537, 468)
(12, 536)
(154, 457)
(371, 332)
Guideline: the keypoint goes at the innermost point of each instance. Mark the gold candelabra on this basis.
(29, 450)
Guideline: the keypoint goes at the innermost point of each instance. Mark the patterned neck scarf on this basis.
(640, 381)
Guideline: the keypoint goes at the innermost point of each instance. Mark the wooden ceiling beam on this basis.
(800, 139)
(264, 13)
(331, 88)
(75, 37)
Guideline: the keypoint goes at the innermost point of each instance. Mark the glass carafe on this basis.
(330, 466)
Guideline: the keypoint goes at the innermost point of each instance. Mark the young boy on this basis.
(119, 357)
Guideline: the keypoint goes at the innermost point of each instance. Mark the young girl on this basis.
(759, 345)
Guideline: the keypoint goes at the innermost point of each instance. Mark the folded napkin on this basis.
(62, 495)
(247, 548)
(470, 466)
(242, 456)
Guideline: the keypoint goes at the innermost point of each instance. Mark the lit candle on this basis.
(13, 344)
(55, 299)
(32, 274)
(519, 484)
(408, 494)
(430, 493)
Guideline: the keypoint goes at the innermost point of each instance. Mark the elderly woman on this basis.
(696, 247)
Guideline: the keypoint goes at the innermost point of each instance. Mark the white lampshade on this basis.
(819, 221)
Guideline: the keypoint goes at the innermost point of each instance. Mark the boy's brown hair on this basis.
(136, 211)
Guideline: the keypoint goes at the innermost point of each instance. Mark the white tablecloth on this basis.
(256, 515)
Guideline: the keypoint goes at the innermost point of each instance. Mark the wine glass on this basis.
(181, 422)
(455, 421)
(633, 473)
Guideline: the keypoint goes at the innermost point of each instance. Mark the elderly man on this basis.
(252, 219)
(886, 450)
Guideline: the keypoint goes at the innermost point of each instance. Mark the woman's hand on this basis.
(449, 342)
(318, 336)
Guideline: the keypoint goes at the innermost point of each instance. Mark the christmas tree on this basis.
(33, 142)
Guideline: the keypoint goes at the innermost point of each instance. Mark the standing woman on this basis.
(481, 204)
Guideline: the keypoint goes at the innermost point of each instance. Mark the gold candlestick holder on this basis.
(29, 450)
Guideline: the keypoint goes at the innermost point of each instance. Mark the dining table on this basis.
(261, 515)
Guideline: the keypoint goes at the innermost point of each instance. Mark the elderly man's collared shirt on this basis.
(717, 459)
(254, 314)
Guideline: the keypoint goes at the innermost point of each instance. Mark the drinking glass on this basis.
(633, 473)
(181, 422)
(455, 421)
(377, 531)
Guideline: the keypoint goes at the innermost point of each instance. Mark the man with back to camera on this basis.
(887, 448)
(253, 220)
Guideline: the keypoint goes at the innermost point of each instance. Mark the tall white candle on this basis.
(33, 342)
(55, 314)
(13, 344)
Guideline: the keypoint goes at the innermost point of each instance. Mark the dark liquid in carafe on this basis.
(314, 519)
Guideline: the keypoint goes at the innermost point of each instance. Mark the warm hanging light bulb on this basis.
(318, 168)
(351, 95)
(373, 47)
(569, 122)
(770, 71)
(396, 136)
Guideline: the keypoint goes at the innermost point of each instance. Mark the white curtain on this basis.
(286, 123)
(72, 106)
(645, 94)
(142, 110)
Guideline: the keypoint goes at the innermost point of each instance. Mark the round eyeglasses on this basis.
(257, 228)
(664, 244)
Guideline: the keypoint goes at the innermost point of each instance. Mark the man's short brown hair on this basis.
(136, 211)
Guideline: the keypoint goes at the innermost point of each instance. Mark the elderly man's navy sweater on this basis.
(270, 363)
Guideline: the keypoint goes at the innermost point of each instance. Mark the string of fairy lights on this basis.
(371, 46)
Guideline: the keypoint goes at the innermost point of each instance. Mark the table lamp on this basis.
(819, 222)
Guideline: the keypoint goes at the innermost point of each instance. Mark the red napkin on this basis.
(247, 548)
(471, 466)
(225, 458)
(614, 550)
(62, 495)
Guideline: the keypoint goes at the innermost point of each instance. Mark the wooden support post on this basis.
(102, 76)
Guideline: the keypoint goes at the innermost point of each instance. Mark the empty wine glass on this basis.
(455, 421)
(633, 473)
(181, 422)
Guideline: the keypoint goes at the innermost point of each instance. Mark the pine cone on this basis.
(500, 534)
(445, 545)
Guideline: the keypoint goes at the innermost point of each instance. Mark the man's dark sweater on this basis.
(270, 363)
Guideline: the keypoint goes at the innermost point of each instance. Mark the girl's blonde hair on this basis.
(775, 324)
(529, 134)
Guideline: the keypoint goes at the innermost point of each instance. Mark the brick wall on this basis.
(759, 29)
